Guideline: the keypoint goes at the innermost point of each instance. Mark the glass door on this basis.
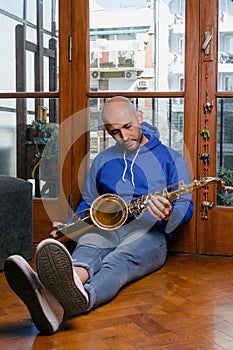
(216, 125)
(29, 101)
(139, 49)
(173, 59)
(30, 65)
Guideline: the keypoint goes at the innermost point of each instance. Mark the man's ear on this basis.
(139, 115)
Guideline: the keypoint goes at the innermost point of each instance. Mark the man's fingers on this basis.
(54, 233)
(159, 207)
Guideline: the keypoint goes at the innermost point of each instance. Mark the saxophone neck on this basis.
(180, 190)
(172, 192)
(202, 182)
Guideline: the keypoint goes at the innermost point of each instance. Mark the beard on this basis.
(133, 144)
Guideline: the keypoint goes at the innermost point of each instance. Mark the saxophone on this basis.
(110, 211)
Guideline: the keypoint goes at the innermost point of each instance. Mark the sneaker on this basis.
(45, 310)
(55, 270)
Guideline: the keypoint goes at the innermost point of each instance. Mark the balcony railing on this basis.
(117, 59)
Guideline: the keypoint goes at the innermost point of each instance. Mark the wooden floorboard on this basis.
(186, 305)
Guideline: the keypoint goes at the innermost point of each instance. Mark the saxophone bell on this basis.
(109, 211)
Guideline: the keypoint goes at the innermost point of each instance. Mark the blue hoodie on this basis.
(132, 174)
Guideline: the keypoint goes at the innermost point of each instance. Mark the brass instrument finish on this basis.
(110, 211)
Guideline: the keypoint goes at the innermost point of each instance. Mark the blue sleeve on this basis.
(182, 208)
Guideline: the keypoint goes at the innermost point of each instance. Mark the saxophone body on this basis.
(110, 211)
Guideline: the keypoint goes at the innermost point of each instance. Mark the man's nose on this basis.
(124, 135)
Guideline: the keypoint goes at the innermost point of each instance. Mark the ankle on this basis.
(82, 273)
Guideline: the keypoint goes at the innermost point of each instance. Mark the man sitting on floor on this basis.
(103, 261)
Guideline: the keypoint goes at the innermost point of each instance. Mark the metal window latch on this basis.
(206, 46)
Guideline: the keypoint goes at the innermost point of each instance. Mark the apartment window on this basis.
(142, 38)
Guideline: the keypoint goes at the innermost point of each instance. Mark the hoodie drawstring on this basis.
(131, 167)
(123, 175)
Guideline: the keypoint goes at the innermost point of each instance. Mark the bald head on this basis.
(116, 108)
(123, 122)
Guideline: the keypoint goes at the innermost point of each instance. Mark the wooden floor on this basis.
(188, 304)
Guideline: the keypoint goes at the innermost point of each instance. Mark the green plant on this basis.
(52, 146)
(225, 198)
(45, 128)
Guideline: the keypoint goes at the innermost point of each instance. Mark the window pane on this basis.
(31, 11)
(137, 45)
(47, 15)
(13, 7)
(29, 143)
(30, 47)
(225, 46)
(225, 148)
(8, 137)
(7, 61)
(167, 114)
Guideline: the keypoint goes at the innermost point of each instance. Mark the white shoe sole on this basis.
(45, 311)
(55, 270)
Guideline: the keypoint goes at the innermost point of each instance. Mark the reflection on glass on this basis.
(29, 143)
(225, 148)
(167, 114)
(225, 46)
(137, 47)
(29, 41)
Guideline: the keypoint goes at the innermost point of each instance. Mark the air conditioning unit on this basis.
(130, 75)
(95, 75)
(142, 84)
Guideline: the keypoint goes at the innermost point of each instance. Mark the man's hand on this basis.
(53, 233)
(159, 207)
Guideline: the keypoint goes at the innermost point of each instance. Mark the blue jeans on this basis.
(114, 258)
